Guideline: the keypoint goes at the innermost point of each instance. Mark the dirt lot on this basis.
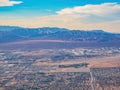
(113, 61)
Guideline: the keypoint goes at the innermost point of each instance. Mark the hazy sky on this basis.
(72, 14)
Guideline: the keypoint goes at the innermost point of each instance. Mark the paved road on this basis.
(92, 79)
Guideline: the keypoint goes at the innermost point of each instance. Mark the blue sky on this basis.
(45, 7)
(73, 14)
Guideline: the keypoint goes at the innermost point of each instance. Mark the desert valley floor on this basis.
(60, 69)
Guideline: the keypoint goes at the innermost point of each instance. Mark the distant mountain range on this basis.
(11, 34)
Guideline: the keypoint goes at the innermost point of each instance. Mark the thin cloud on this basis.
(9, 3)
(94, 13)
(104, 16)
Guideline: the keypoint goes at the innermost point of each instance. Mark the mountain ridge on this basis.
(12, 33)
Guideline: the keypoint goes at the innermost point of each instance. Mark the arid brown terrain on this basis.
(60, 69)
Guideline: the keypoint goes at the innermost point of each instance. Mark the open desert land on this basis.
(103, 62)
(55, 44)
(112, 61)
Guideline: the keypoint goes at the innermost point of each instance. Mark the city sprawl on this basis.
(60, 69)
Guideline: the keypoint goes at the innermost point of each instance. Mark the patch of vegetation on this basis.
(74, 65)
(56, 58)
